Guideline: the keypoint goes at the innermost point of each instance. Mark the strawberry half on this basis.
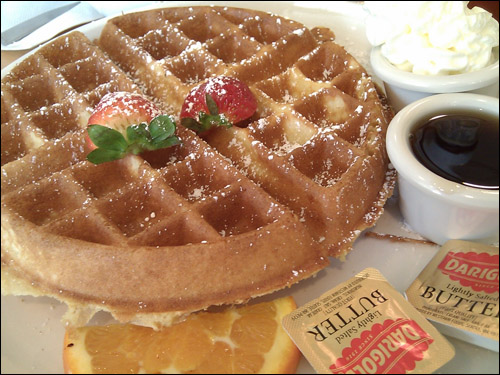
(220, 101)
(126, 123)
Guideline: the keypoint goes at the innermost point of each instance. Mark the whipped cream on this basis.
(432, 37)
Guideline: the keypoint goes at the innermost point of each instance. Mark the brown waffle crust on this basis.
(227, 215)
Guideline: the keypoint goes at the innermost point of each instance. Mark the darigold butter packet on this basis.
(365, 326)
(458, 292)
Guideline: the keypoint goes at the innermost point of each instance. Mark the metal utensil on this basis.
(19, 31)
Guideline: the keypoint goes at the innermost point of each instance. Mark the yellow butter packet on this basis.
(458, 292)
(365, 326)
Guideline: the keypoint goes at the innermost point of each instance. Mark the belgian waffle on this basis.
(223, 217)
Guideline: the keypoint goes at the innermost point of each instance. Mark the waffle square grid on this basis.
(311, 161)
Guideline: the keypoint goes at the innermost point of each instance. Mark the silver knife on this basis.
(19, 31)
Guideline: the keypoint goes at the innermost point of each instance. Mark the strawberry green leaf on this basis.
(101, 155)
(137, 133)
(191, 123)
(107, 138)
(112, 145)
(211, 105)
(214, 120)
(207, 120)
(161, 128)
(170, 141)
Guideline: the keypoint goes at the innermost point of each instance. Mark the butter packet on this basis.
(365, 326)
(458, 292)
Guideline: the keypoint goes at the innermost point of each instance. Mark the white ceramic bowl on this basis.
(403, 88)
(431, 205)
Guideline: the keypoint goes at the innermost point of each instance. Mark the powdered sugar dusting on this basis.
(298, 169)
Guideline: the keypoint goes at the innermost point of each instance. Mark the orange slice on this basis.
(248, 339)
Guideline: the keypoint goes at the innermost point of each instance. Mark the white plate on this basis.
(32, 334)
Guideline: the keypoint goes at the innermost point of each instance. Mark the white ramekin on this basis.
(403, 88)
(437, 208)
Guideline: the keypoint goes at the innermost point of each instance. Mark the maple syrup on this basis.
(461, 147)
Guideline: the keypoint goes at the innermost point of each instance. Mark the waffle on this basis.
(226, 216)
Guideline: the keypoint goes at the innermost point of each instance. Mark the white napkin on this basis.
(16, 12)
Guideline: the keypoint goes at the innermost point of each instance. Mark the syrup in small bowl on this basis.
(461, 147)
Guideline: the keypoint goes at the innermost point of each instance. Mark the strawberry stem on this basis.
(207, 120)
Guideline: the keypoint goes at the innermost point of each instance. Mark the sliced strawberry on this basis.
(220, 101)
(124, 123)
